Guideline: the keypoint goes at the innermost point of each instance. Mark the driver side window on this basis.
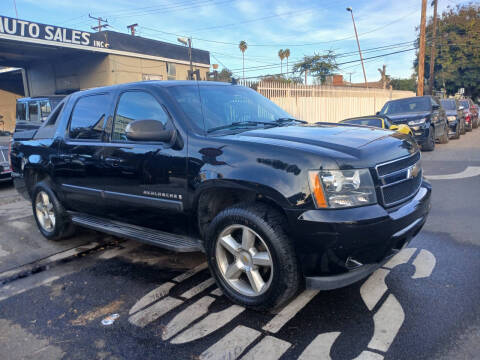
(136, 105)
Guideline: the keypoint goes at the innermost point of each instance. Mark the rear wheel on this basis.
(251, 258)
(462, 129)
(52, 219)
(475, 124)
(430, 141)
(444, 137)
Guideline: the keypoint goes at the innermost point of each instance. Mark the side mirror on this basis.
(377, 113)
(461, 108)
(394, 127)
(148, 130)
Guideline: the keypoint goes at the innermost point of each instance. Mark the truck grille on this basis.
(4, 156)
(399, 179)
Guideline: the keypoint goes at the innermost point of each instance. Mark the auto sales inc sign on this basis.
(32, 31)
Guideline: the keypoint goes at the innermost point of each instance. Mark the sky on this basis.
(305, 27)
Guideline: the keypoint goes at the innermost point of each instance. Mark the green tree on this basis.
(457, 64)
(225, 75)
(320, 66)
(409, 84)
(243, 47)
(281, 55)
(286, 53)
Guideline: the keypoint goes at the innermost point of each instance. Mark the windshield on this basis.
(449, 104)
(406, 106)
(465, 103)
(217, 106)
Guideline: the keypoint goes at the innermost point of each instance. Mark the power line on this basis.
(338, 64)
(285, 45)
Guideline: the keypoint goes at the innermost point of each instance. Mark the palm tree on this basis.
(286, 53)
(281, 55)
(243, 46)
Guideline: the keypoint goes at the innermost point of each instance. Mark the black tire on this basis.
(462, 129)
(430, 142)
(444, 138)
(62, 228)
(268, 223)
(475, 124)
(469, 128)
(457, 132)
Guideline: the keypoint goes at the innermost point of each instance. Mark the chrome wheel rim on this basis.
(44, 211)
(244, 260)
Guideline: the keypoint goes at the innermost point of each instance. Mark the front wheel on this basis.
(430, 141)
(51, 217)
(457, 131)
(251, 258)
(475, 123)
(462, 129)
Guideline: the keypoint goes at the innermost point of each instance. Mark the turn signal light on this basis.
(317, 190)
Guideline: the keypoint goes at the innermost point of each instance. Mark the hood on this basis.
(406, 117)
(348, 146)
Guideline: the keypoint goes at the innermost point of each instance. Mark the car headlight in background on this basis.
(451, 118)
(342, 188)
(417, 122)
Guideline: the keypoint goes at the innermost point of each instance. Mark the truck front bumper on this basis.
(339, 247)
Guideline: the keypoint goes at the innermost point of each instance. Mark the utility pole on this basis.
(358, 43)
(132, 29)
(421, 51)
(432, 52)
(100, 25)
(188, 42)
(350, 74)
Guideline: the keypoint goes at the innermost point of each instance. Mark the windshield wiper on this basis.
(241, 123)
(289, 120)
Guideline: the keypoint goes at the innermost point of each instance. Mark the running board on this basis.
(158, 238)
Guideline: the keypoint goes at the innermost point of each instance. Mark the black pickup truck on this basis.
(275, 203)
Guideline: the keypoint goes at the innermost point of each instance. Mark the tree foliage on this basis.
(409, 84)
(282, 79)
(457, 64)
(319, 66)
(225, 75)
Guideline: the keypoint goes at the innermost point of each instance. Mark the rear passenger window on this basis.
(88, 117)
(33, 112)
(136, 105)
(21, 111)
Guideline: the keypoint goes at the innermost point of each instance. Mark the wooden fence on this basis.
(326, 103)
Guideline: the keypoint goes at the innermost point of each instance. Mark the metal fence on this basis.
(326, 103)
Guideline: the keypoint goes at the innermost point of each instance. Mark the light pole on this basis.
(188, 42)
(358, 43)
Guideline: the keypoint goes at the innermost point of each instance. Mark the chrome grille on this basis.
(4, 156)
(399, 179)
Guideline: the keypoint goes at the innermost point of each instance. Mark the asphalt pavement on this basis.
(100, 297)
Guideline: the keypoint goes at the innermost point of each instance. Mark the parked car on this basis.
(471, 114)
(379, 122)
(455, 117)
(31, 112)
(273, 202)
(423, 114)
(5, 171)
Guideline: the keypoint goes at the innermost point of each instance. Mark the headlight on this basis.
(451, 118)
(342, 188)
(417, 122)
